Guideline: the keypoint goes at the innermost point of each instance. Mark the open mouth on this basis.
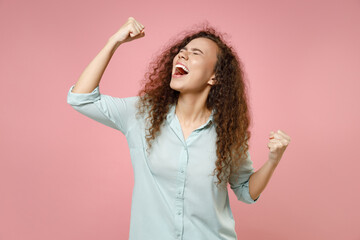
(180, 70)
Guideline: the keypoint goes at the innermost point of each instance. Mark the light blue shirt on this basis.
(174, 194)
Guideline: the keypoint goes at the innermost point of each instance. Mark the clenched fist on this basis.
(278, 142)
(131, 30)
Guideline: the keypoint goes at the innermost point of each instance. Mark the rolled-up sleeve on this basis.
(110, 111)
(239, 182)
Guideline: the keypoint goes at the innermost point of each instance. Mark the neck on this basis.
(192, 110)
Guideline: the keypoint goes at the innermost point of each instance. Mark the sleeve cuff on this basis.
(246, 194)
(82, 98)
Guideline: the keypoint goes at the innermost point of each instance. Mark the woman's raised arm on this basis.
(91, 76)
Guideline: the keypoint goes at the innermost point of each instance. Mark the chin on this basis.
(174, 86)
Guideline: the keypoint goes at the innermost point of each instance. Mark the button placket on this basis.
(179, 201)
(178, 195)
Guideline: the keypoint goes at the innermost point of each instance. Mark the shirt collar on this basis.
(171, 114)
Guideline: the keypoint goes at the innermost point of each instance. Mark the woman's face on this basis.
(199, 58)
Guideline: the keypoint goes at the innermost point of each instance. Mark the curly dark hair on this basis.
(228, 96)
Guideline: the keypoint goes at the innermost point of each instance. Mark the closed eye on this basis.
(196, 53)
(193, 49)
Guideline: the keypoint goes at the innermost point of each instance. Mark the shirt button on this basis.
(179, 213)
(182, 171)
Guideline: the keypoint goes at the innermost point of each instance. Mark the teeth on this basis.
(182, 66)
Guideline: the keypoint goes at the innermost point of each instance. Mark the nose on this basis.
(182, 54)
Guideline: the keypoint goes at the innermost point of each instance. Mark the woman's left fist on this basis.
(278, 141)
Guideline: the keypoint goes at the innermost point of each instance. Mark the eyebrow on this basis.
(193, 49)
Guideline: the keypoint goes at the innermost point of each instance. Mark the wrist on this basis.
(272, 163)
(113, 44)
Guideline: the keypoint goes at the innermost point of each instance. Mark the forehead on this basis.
(209, 47)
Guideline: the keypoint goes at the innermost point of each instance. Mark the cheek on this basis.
(199, 66)
(204, 69)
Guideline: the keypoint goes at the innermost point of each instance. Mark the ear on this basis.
(212, 80)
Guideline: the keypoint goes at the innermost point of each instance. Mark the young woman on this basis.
(187, 132)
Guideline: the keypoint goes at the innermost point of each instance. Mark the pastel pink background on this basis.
(65, 176)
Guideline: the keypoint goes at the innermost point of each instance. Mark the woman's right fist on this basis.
(131, 30)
